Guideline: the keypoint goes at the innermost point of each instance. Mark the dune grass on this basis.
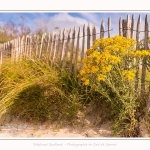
(32, 90)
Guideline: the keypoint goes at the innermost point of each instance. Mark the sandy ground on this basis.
(15, 128)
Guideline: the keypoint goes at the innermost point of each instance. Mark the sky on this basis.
(69, 20)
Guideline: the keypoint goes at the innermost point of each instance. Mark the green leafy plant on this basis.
(110, 69)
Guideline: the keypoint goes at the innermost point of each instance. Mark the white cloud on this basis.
(91, 17)
(61, 20)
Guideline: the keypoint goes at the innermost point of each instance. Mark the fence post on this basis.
(128, 27)
(48, 44)
(132, 26)
(144, 59)
(66, 50)
(58, 46)
(82, 53)
(124, 27)
(26, 46)
(19, 48)
(37, 45)
(72, 50)
(102, 29)
(109, 26)
(137, 47)
(12, 50)
(77, 51)
(41, 47)
(54, 50)
(120, 27)
(88, 36)
(30, 46)
(22, 47)
(63, 46)
(53, 46)
(4, 52)
(94, 32)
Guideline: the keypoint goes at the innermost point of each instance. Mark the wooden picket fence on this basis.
(69, 47)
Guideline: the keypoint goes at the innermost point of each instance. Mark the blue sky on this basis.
(68, 20)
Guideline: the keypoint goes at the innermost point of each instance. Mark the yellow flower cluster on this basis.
(105, 54)
(140, 53)
(129, 74)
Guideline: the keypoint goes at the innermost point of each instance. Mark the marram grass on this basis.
(32, 90)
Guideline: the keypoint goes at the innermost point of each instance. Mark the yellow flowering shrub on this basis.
(110, 69)
(105, 54)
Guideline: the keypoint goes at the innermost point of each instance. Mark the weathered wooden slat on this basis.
(15, 50)
(22, 47)
(55, 51)
(66, 50)
(41, 46)
(77, 52)
(53, 46)
(26, 46)
(128, 27)
(18, 48)
(138, 32)
(137, 47)
(4, 50)
(94, 32)
(48, 44)
(34, 40)
(58, 46)
(132, 27)
(102, 29)
(120, 27)
(63, 45)
(124, 27)
(72, 49)
(88, 36)
(9, 50)
(12, 51)
(144, 59)
(30, 46)
(82, 53)
(109, 26)
(37, 46)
